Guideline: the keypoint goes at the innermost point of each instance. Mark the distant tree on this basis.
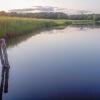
(3, 13)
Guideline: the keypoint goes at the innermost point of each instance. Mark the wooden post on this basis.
(5, 68)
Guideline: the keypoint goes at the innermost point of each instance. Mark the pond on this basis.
(56, 64)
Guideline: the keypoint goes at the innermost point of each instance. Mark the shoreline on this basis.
(15, 26)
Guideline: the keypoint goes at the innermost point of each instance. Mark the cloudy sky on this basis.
(70, 4)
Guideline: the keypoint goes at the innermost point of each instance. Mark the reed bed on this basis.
(14, 26)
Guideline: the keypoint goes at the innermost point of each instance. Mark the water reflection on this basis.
(5, 68)
(58, 65)
(16, 40)
(88, 26)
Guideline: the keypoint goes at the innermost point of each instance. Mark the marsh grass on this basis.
(15, 26)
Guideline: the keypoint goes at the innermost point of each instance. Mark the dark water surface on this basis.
(56, 65)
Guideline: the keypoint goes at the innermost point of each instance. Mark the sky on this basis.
(70, 4)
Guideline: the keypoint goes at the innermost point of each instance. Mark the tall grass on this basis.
(13, 26)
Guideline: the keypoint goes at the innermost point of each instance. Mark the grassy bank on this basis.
(13, 26)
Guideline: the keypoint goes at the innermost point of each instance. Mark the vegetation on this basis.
(53, 15)
(14, 26)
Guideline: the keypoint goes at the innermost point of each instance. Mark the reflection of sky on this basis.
(72, 4)
(55, 63)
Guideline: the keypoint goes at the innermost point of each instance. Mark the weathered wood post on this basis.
(5, 68)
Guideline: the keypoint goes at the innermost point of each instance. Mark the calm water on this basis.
(56, 65)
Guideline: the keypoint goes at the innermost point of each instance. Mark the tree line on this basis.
(53, 15)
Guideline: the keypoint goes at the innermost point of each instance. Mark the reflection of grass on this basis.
(13, 26)
(16, 40)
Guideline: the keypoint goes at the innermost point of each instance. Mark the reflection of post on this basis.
(5, 68)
